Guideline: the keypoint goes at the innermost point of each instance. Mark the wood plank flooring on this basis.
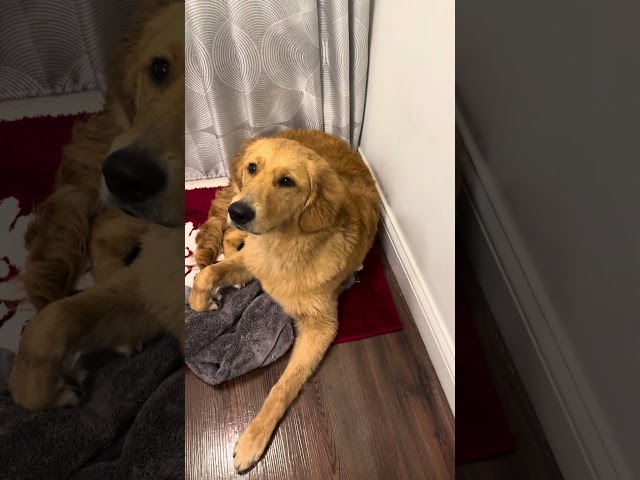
(533, 459)
(374, 410)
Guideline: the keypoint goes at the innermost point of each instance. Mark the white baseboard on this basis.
(552, 378)
(432, 328)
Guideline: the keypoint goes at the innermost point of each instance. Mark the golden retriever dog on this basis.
(119, 202)
(308, 209)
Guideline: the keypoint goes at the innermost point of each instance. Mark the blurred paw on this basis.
(37, 384)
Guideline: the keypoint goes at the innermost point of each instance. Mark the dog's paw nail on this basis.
(80, 374)
(75, 358)
(126, 350)
(68, 398)
(74, 388)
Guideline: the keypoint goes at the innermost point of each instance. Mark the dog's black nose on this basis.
(241, 213)
(132, 175)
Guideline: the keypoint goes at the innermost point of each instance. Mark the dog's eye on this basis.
(159, 70)
(286, 182)
(253, 168)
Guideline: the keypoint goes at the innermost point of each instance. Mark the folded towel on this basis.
(131, 426)
(249, 331)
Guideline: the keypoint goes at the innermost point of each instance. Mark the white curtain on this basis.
(57, 47)
(255, 67)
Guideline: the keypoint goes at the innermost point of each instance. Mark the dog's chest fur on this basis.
(296, 266)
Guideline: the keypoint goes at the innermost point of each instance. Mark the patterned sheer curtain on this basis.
(256, 67)
(64, 51)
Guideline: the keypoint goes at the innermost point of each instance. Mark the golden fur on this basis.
(305, 241)
(80, 220)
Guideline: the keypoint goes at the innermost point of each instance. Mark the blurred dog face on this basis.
(143, 174)
(283, 186)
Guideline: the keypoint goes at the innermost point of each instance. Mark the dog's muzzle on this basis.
(132, 175)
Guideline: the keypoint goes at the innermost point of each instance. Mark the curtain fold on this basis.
(256, 67)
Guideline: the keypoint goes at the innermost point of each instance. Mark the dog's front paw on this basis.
(37, 383)
(37, 378)
(205, 293)
(250, 447)
(204, 300)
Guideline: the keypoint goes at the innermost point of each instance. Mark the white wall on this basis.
(408, 134)
(552, 92)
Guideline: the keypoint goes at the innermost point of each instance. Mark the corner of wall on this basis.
(498, 258)
(430, 324)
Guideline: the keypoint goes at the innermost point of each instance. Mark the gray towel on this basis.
(131, 426)
(250, 330)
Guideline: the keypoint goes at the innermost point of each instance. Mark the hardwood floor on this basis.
(374, 410)
(533, 458)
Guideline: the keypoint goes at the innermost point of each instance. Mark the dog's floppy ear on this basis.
(122, 77)
(325, 199)
(123, 68)
(235, 168)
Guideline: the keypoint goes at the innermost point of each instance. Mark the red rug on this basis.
(365, 310)
(482, 430)
(31, 154)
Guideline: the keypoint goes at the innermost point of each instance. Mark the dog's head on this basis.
(283, 185)
(143, 173)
